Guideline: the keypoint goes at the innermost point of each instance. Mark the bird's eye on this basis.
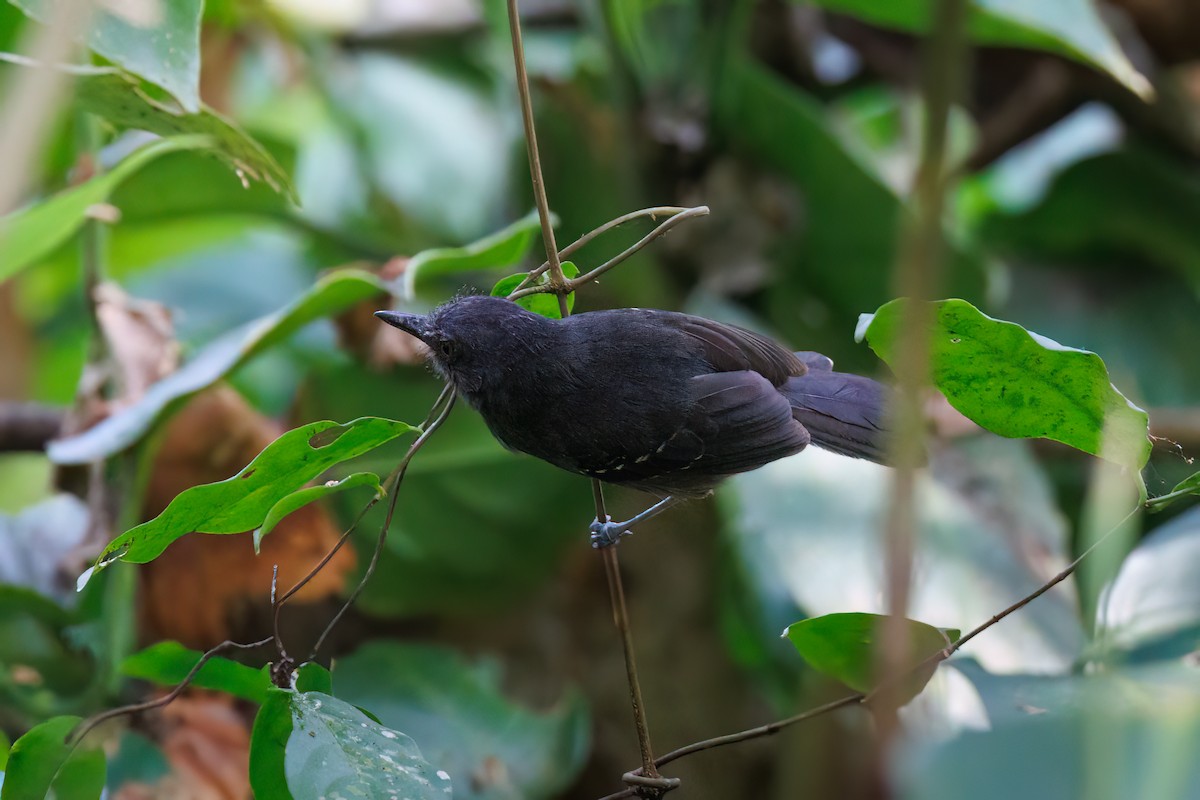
(446, 348)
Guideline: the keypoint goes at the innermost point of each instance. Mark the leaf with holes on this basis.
(309, 745)
(119, 98)
(1019, 384)
(843, 646)
(34, 232)
(504, 248)
(329, 296)
(544, 303)
(168, 663)
(42, 764)
(156, 41)
(242, 502)
(303, 497)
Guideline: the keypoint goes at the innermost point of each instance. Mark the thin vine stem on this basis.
(84, 728)
(575, 283)
(535, 161)
(653, 213)
(441, 410)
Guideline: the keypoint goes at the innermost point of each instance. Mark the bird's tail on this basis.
(843, 413)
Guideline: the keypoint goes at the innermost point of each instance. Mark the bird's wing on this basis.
(729, 348)
(738, 422)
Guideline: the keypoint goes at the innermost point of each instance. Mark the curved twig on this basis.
(442, 408)
(653, 212)
(85, 727)
(575, 283)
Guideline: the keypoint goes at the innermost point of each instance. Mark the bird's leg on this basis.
(608, 533)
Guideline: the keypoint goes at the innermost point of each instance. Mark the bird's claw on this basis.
(607, 533)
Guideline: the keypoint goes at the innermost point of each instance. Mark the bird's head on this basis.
(471, 337)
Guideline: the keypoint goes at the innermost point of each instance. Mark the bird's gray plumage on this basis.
(661, 401)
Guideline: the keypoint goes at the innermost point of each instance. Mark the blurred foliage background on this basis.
(356, 135)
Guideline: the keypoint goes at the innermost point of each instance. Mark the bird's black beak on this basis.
(415, 324)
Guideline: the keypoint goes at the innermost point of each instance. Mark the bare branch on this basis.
(535, 161)
(83, 728)
(575, 283)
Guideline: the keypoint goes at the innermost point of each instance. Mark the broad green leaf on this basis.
(242, 502)
(463, 722)
(168, 663)
(844, 647)
(312, 677)
(1072, 28)
(544, 304)
(119, 99)
(502, 249)
(159, 42)
(268, 746)
(309, 745)
(41, 764)
(1019, 384)
(329, 296)
(311, 494)
(1151, 610)
(31, 233)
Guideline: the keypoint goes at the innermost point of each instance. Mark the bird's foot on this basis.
(608, 533)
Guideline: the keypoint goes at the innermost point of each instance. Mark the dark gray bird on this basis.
(664, 402)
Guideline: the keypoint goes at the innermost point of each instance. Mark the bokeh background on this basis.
(486, 632)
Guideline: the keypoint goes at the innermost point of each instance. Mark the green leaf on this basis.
(464, 723)
(501, 249)
(32, 233)
(158, 41)
(1151, 610)
(241, 503)
(1072, 28)
(268, 746)
(545, 304)
(312, 677)
(329, 296)
(5, 746)
(41, 764)
(1019, 384)
(844, 647)
(309, 745)
(303, 497)
(168, 663)
(1188, 486)
(119, 99)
